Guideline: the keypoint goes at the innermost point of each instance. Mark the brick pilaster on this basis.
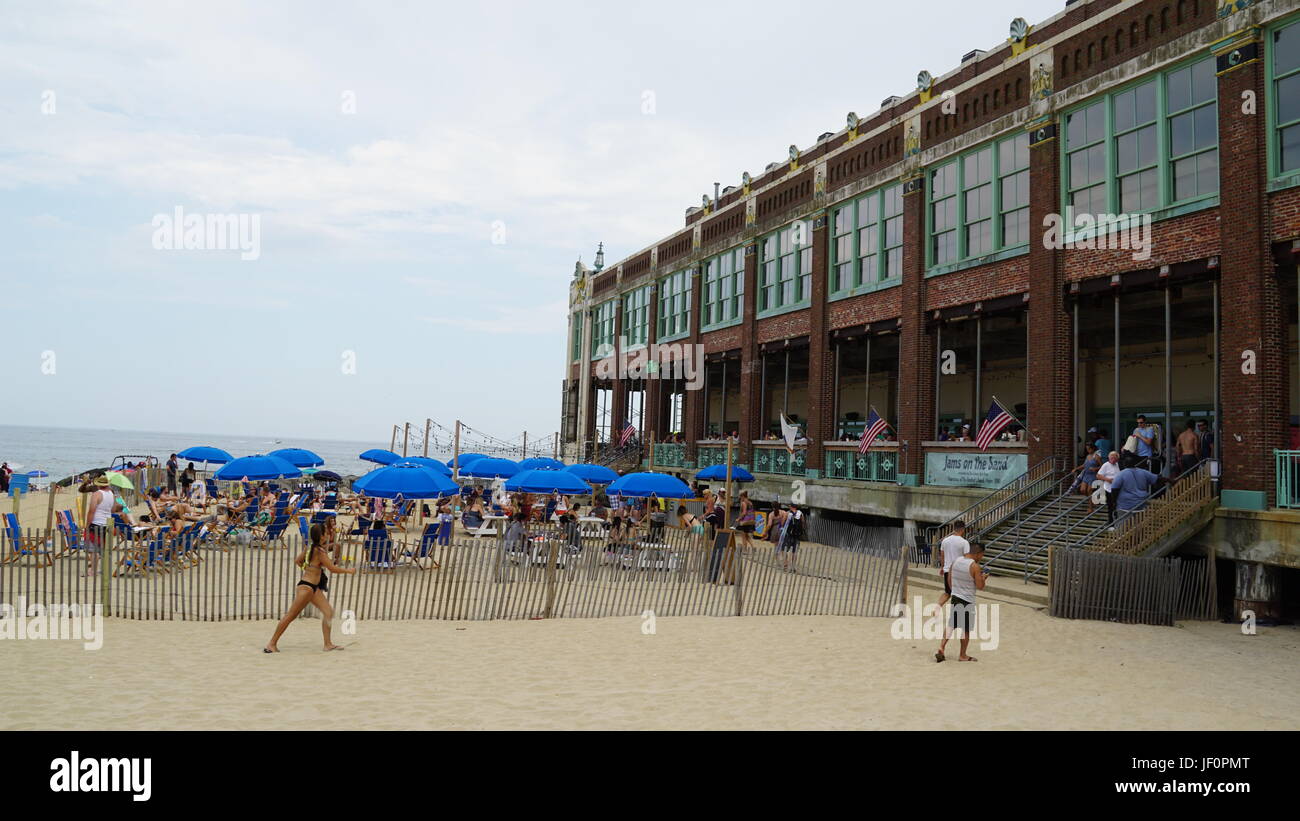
(1255, 406)
(750, 363)
(821, 362)
(916, 346)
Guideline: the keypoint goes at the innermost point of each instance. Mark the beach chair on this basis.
(20, 545)
(211, 485)
(424, 550)
(143, 556)
(72, 539)
(274, 532)
(362, 527)
(180, 551)
(377, 555)
(304, 529)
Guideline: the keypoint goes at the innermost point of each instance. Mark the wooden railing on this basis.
(1136, 532)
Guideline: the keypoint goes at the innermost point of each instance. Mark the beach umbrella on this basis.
(490, 468)
(650, 484)
(406, 480)
(257, 468)
(541, 463)
(592, 473)
(547, 481)
(298, 457)
(326, 476)
(427, 462)
(464, 459)
(718, 473)
(205, 453)
(37, 474)
(118, 480)
(380, 456)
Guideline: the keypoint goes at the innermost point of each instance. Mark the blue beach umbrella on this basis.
(650, 484)
(298, 457)
(406, 480)
(592, 473)
(205, 453)
(490, 468)
(718, 473)
(257, 468)
(37, 474)
(380, 456)
(464, 459)
(541, 463)
(427, 462)
(547, 481)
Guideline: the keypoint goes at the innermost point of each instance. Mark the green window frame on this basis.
(723, 288)
(674, 305)
(1150, 145)
(636, 316)
(1283, 67)
(602, 328)
(785, 267)
(867, 240)
(978, 202)
(575, 341)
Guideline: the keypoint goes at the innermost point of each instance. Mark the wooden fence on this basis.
(677, 574)
(1131, 589)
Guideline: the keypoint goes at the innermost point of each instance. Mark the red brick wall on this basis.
(1009, 276)
(1284, 206)
(916, 346)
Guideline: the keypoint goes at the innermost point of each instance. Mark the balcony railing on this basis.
(670, 455)
(714, 454)
(772, 457)
(1288, 477)
(880, 464)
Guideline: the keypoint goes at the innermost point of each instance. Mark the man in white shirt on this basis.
(1106, 474)
(952, 548)
(99, 514)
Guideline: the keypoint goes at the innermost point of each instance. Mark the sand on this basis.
(787, 672)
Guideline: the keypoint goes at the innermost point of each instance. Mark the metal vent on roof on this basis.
(825, 135)
(772, 165)
(890, 100)
(973, 55)
(728, 189)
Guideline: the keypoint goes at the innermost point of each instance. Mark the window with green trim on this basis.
(724, 288)
(979, 202)
(674, 304)
(575, 341)
(1285, 70)
(1193, 115)
(867, 240)
(636, 316)
(602, 328)
(1148, 146)
(785, 267)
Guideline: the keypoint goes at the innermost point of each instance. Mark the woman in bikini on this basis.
(314, 561)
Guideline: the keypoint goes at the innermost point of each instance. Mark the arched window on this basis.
(1105, 41)
(1119, 40)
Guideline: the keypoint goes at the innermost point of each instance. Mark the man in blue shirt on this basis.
(1103, 443)
(1146, 436)
(1132, 488)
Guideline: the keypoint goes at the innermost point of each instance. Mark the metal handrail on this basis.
(1026, 482)
(1068, 491)
(1190, 483)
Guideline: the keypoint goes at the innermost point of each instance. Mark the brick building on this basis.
(953, 247)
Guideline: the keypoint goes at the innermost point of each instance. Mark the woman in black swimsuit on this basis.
(314, 561)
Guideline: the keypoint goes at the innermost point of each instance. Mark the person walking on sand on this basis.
(172, 466)
(967, 578)
(952, 548)
(312, 587)
(99, 513)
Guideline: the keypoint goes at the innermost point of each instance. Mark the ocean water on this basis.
(63, 452)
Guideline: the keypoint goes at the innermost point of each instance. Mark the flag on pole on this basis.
(789, 432)
(875, 426)
(994, 423)
(628, 433)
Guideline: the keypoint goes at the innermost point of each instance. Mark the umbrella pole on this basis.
(726, 509)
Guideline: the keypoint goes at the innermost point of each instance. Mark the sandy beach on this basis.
(694, 673)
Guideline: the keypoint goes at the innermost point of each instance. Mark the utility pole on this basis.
(427, 424)
(525, 444)
(406, 437)
(456, 457)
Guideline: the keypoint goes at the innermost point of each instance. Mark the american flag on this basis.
(875, 426)
(628, 433)
(994, 424)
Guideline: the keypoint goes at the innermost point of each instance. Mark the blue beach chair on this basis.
(20, 545)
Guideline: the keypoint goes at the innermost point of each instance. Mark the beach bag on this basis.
(1131, 446)
(242, 538)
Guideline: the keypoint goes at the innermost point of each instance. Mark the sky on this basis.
(422, 177)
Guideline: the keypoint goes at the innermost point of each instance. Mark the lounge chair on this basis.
(20, 545)
(377, 555)
(144, 555)
(424, 550)
(72, 539)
